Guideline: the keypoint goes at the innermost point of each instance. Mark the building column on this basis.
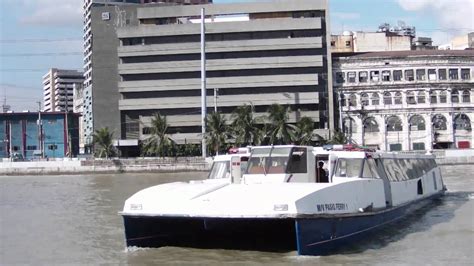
(450, 126)
(405, 133)
(429, 132)
(383, 130)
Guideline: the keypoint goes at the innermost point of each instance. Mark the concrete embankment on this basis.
(74, 166)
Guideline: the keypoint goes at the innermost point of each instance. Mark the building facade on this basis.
(102, 18)
(30, 135)
(354, 42)
(58, 86)
(257, 54)
(408, 100)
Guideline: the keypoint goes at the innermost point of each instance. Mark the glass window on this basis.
(465, 73)
(396, 147)
(432, 74)
(374, 76)
(364, 99)
(219, 170)
(409, 76)
(439, 122)
(462, 122)
(453, 74)
(442, 74)
(297, 164)
(363, 76)
(417, 123)
(420, 74)
(386, 75)
(397, 75)
(268, 160)
(466, 96)
(339, 77)
(370, 125)
(387, 98)
(418, 146)
(455, 96)
(421, 97)
(394, 123)
(398, 98)
(348, 167)
(352, 100)
(375, 99)
(351, 77)
(411, 97)
(443, 97)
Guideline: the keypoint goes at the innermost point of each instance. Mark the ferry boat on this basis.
(290, 197)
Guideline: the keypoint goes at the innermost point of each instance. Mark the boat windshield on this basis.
(271, 160)
(219, 170)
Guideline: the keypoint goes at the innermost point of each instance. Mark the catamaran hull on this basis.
(317, 235)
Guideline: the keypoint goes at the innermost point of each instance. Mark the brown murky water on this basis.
(51, 220)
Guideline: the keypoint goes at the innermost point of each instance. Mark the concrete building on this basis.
(28, 135)
(58, 89)
(78, 108)
(257, 54)
(408, 100)
(102, 18)
(350, 42)
(460, 42)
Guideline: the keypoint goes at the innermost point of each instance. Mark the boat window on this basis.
(219, 170)
(269, 160)
(298, 160)
(370, 169)
(348, 167)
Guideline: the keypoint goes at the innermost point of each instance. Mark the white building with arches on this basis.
(407, 100)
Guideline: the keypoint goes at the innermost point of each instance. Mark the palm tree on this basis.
(159, 143)
(244, 126)
(338, 138)
(216, 134)
(102, 140)
(304, 131)
(280, 131)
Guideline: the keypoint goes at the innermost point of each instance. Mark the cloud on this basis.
(64, 13)
(345, 15)
(454, 16)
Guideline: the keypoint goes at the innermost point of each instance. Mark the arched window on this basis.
(398, 98)
(387, 98)
(350, 126)
(394, 123)
(375, 99)
(462, 122)
(364, 99)
(455, 96)
(370, 125)
(433, 97)
(466, 96)
(421, 97)
(352, 100)
(417, 123)
(443, 97)
(439, 122)
(411, 97)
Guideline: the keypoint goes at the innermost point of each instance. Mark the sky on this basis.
(36, 35)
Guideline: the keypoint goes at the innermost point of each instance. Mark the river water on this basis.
(55, 220)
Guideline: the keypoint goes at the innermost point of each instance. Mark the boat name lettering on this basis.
(331, 207)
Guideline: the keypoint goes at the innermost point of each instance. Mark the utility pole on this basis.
(40, 130)
(203, 83)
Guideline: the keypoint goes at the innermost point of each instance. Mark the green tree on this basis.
(304, 131)
(159, 143)
(103, 143)
(216, 131)
(338, 138)
(280, 131)
(244, 126)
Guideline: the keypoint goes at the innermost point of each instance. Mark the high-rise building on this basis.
(101, 96)
(257, 53)
(58, 87)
